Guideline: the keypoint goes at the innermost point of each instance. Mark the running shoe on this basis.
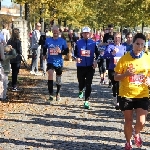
(81, 94)
(15, 89)
(128, 146)
(86, 105)
(117, 106)
(137, 139)
(58, 97)
(51, 98)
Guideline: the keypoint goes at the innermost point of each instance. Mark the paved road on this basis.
(65, 125)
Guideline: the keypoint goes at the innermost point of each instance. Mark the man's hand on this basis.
(57, 49)
(78, 60)
(129, 72)
(115, 51)
(94, 64)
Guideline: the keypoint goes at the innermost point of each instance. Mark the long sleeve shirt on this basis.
(114, 58)
(35, 39)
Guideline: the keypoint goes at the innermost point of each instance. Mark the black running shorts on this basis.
(58, 70)
(133, 103)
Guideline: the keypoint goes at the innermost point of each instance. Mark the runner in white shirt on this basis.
(5, 33)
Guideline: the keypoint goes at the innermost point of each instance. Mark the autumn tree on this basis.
(94, 13)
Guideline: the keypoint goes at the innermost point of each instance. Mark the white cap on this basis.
(86, 29)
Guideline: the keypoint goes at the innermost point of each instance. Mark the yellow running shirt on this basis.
(133, 87)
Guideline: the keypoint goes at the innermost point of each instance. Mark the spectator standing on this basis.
(15, 42)
(36, 50)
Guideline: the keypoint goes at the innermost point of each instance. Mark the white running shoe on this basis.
(38, 74)
(32, 72)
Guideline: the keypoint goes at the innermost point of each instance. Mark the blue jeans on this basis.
(35, 59)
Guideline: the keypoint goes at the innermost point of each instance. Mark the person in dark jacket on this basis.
(85, 51)
(42, 43)
(108, 39)
(15, 42)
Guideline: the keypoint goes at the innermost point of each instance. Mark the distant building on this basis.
(10, 11)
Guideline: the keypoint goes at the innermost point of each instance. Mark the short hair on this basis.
(139, 36)
(128, 34)
(117, 33)
(55, 27)
(38, 24)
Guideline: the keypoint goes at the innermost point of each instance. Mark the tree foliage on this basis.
(93, 12)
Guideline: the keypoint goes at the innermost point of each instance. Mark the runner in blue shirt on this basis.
(85, 52)
(55, 47)
(114, 52)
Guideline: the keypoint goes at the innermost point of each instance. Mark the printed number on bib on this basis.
(85, 53)
(137, 79)
(53, 51)
(116, 59)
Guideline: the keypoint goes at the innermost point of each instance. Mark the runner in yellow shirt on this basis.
(132, 71)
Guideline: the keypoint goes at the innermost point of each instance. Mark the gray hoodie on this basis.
(35, 39)
(6, 61)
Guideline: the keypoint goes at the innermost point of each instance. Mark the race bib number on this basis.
(52, 51)
(116, 59)
(137, 79)
(85, 53)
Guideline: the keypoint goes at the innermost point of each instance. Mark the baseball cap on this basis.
(86, 29)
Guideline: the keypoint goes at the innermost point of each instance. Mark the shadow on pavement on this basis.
(65, 124)
(62, 145)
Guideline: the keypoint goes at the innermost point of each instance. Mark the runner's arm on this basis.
(121, 71)
(107, 53)
(119, 77)
(75, 56)
(65, 50)
(96, 52)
